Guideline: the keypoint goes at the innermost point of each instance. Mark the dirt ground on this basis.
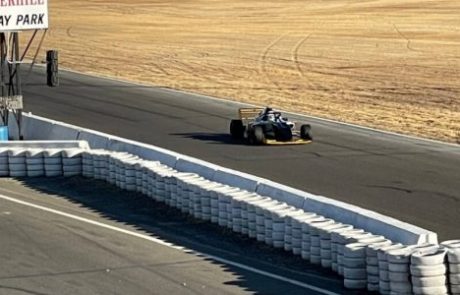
(390, 64)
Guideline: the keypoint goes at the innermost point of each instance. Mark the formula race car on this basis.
(266, 126)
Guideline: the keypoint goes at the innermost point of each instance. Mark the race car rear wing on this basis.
(249, 113)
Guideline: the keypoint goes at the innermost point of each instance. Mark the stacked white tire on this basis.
(71, 162)
(315, 240)
(338, 241)
(428, 272)
(344, 239)
(354, 266)
(384, 279)
(399, 262)
(288, 231)
(17, 163)
(53, 162)
(35, 163)
(87, 162)
(4, 167)
(453, 258)
(299, 236)
(372, 265)
(328, 254)
(399, 272)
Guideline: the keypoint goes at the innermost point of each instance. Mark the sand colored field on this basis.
(390, 64)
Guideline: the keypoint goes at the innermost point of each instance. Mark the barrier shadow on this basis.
(169, 224)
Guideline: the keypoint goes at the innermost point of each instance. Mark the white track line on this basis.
(163, 243)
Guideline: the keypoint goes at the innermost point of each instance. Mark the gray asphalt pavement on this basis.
(51, 249)
(413, 180)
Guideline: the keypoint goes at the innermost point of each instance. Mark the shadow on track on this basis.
(169, 224)
(214, 138)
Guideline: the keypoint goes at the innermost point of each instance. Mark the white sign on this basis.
(19, 15)
(14, 102)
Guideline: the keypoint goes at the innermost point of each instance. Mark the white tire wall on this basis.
(366, 261)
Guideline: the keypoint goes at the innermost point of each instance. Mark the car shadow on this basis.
(213, 138)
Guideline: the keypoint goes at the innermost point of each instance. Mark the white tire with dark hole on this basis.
(451, 244)
(399, 256)
(434, 257)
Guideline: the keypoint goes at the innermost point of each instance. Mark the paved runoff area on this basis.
(80, 236)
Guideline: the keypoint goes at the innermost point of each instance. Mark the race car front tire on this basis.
(257, 136)
(305, 132)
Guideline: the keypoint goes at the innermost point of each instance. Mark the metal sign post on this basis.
(17, 16)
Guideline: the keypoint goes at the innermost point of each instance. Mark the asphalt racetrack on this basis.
(413, 180)
(79, 236)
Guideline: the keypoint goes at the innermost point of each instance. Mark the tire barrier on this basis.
(35, 127)
(453, 258)
(4, 166)
(365, 261)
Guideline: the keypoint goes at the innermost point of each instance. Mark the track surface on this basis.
(413, 180)
(58, 252)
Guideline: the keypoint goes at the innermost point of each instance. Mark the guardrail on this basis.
(365, 260)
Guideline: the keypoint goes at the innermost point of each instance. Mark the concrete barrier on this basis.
(41, 144)
(235, 178)
(37, 127)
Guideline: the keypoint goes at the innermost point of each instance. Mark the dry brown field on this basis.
(389, 64)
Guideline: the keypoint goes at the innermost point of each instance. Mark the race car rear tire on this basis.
(237, 129)
(257, 136)
(305, 132)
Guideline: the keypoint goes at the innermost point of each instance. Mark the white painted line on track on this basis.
(163, 243)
